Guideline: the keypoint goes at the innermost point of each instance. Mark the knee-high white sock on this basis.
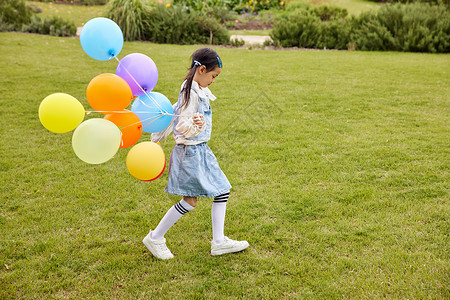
(171, 217)
(218, 211)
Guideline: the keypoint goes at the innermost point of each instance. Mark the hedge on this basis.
(161, 24)
(416, 27)
(16, 15)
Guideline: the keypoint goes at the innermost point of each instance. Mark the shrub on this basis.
(85, 2)
(52, 26)
(418, 27)
(446, 2)
(309, 27)
(334, 34)
(15, 13)
(218, 9)
(176, 25)
(239, 6)
(131, 16)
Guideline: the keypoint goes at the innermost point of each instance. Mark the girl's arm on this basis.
(190, 123)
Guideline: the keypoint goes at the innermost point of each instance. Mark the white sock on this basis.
(171, 217)
(218, 211)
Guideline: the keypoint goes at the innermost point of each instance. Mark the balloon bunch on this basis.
(97, 140)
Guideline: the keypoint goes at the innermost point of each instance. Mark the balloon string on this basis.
(140, 87)
(121, 112)
(154, 117)
(127, 111)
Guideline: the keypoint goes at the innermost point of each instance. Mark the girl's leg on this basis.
(155, 241)
(173, 215)
(220, 243)
(218, 211)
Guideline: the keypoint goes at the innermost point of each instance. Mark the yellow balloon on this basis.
(96, 141)
(61, 113)
(146, 161)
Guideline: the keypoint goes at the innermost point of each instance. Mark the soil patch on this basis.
(253, 25)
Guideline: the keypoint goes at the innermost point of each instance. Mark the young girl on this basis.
(194, 170)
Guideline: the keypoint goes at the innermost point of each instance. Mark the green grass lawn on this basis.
(79, 14)
(339, 163)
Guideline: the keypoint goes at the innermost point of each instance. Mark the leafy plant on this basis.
(178, 25)
(85, 2)
(239, 6)
(131, 16)
(418, 27)
(55, 26)
(15, 12)
(17, 15)
(310, 27)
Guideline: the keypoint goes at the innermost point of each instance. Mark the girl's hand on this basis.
(199, 120)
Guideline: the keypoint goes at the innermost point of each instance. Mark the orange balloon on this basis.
(108, 92)
(129, 124)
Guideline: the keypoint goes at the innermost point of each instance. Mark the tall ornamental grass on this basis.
(131, 16)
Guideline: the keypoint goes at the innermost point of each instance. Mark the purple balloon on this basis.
(138, 70)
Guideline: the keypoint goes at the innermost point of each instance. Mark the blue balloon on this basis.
(101, 39)
(150, 110)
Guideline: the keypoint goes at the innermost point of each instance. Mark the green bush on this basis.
(176, 25)
(446, 2)
(218, 9)
(14, 13)
(52, 26)
(306, 26)
(161, 24)
(417, 27)
(131, 16)
(239, 6)
(85, 2)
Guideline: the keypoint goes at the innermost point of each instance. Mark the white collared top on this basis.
(185, 128)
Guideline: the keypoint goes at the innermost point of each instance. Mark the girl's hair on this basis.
(202, 57)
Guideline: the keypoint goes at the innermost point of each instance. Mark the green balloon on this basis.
(96, 141)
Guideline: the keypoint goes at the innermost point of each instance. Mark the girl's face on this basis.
(205, 78)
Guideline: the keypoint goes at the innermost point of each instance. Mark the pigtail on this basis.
(187, 87)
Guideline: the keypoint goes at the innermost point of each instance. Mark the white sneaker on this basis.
(157, 247)
(227, 246)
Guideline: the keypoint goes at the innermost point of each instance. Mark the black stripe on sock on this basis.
(180, 208)
(223, 195)
(222, 198)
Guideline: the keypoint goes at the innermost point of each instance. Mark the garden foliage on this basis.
(446, 2)
(131, 16)
(307, 26)
(239, 6)
(16, 15)
(85, 2)
(418, 27)
(172, 25)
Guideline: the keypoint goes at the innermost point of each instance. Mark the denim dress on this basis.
(193, 169)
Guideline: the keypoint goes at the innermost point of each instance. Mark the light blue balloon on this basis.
(151, 111)
(101, 39)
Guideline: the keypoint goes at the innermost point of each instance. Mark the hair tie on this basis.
(197, 63)
(220, 62)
